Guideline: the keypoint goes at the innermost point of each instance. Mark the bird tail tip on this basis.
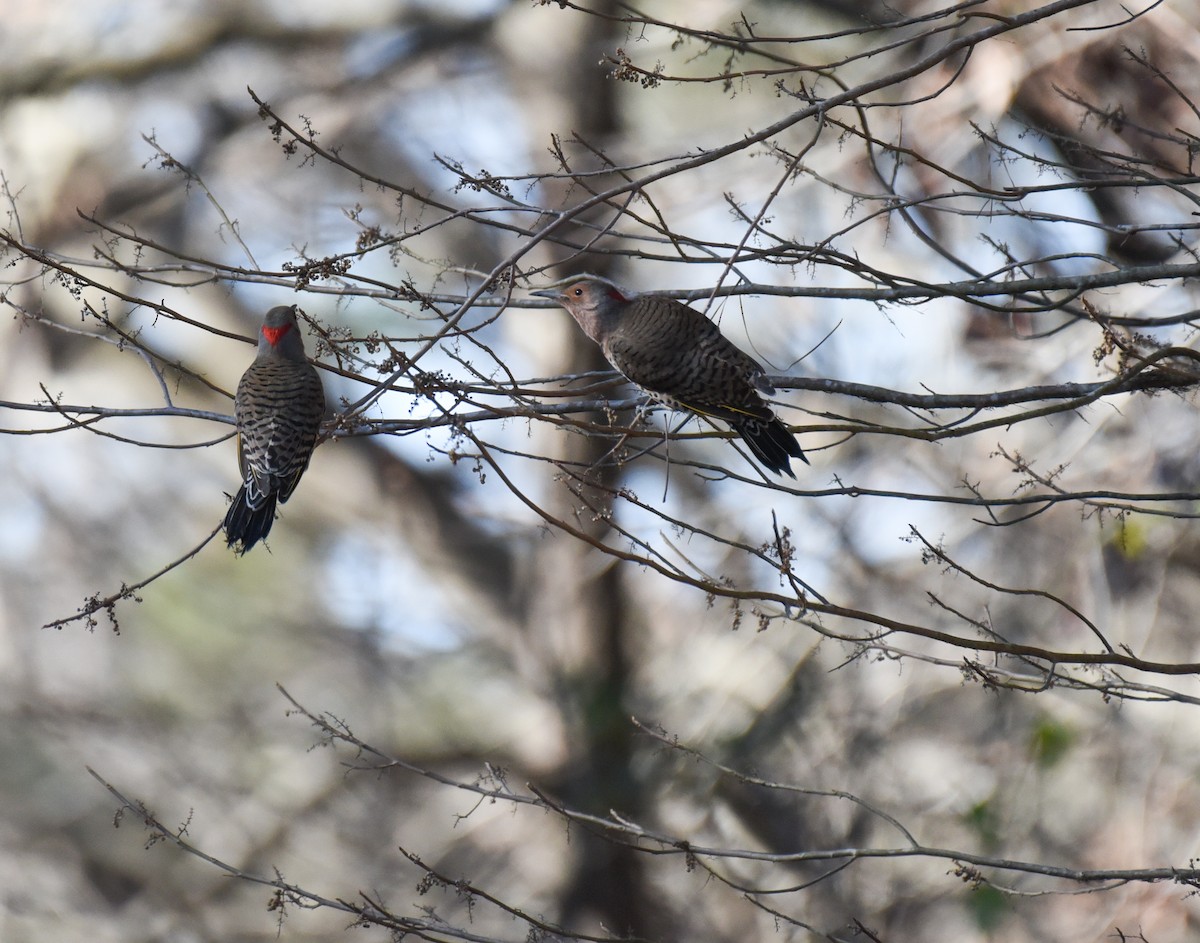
(772, 444)
(247, 524)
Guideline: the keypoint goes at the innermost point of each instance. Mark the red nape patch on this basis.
(272, 334)
(615, 295)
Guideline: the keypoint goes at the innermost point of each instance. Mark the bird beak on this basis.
(555, 294)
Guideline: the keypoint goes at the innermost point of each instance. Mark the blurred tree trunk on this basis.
(580, 609)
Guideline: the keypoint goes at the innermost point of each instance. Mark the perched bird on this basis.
(681, 359)
(278, 406)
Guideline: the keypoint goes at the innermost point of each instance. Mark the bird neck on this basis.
(275, 334)
(605, 317)
(286, 344)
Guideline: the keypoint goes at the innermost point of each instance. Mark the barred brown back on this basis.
(279, 406)
(675, 352)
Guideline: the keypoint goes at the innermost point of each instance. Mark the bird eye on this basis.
(578, 292)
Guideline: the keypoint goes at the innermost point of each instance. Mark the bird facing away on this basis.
(278, 407)
(681, 359)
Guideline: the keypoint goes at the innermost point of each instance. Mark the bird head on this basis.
(594, 302)
(280, 335)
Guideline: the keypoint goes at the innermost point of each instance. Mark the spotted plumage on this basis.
(682, 359)
(278, 406)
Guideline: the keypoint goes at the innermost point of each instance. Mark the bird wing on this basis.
(678, 355)
(279, 407)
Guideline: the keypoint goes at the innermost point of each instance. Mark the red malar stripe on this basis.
(272, 334)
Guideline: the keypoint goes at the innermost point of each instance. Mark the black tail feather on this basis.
(247, 525)
(772, 444)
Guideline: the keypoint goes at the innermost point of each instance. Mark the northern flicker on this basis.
(278, 406)
(681, 359)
